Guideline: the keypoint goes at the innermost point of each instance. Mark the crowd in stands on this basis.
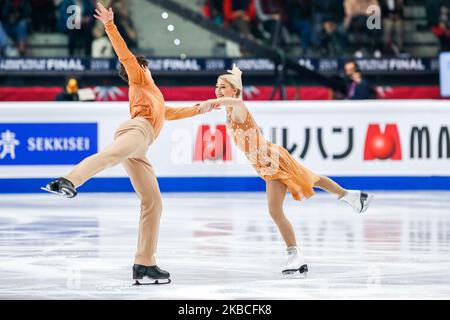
(85, 37)
(438, 17)
(327, 27)
(321, 28)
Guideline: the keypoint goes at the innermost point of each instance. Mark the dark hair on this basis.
(354, 63)
(123, 73)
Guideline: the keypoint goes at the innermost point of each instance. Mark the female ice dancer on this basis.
(131, 142)
(276, 166)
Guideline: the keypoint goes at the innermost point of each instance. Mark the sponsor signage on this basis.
(47, 143)
(198, 65)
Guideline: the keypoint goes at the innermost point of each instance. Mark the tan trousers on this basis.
(131, 142)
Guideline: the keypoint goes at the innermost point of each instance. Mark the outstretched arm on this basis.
(228, 102)
(239, 113)
(172, 113)
(126, 57)
(179, 113)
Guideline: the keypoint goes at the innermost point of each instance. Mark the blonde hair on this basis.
(234, 81)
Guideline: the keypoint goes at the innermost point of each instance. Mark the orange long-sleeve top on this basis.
(146, 100)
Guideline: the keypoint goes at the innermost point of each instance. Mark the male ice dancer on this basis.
(131, 142)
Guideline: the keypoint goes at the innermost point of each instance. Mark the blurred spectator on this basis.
(101, 46)
(271, 17)
(361, 37)
(392, 12)
(70, 92)
(240, 15)
(328, 24)
(438, 15)
(328, 11)
(43, 16)
(433, 8)
(83, 18)
(3, 40)
(300, 21)
(333, 41)
(358, 88)
(124, 23)
(213, 9)
(16, 16)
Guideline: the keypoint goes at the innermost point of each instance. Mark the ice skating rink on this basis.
(225, 246)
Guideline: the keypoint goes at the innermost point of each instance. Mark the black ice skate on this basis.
(150, 275)
(62, 187)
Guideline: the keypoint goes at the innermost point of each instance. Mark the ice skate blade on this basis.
(294, 275)
(64, 193)
(54, 192)
(302, 271)
(367, 203)
(155, 282)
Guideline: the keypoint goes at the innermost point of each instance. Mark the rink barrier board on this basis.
(338, 137)
(227, 184)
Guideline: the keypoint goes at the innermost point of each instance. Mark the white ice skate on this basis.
(358, 200)
(295, 263)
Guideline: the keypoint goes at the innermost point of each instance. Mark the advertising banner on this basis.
(46, 143)
(195, 65)
(376, 144)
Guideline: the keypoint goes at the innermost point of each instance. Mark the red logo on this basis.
(212, 146)
(382, 145)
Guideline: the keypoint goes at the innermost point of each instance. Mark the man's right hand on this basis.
(207, 106)
(102, 14)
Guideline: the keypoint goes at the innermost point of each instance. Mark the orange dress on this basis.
(271, 162)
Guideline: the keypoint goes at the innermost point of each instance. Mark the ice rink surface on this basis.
(225, 246)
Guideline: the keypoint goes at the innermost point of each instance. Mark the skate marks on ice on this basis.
(224, 246)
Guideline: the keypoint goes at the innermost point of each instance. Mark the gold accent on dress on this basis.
(271, 162)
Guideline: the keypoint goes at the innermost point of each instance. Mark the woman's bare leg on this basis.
(330, 186)
(276, 192)
(357, 199)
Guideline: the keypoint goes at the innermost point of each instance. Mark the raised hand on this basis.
(102, 14)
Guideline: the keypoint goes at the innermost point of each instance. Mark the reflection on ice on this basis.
(224, 246)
